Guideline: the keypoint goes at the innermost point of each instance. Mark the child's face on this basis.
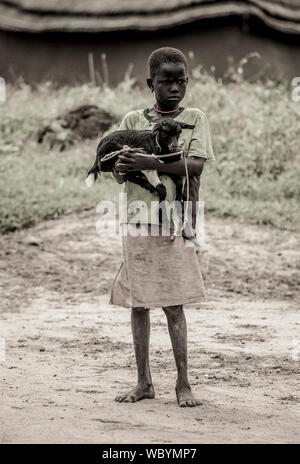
(169, 84)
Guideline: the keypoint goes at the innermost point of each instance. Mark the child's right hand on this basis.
(121, 167)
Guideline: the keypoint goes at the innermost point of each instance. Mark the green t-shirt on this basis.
(195, 142)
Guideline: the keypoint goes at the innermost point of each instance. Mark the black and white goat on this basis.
(161, 140)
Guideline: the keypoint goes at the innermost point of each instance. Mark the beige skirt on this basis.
(156, 271)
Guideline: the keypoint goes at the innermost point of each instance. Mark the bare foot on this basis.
(140, 392)
(185, 397)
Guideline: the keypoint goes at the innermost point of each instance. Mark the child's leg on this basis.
(178, 335)
(140, 326)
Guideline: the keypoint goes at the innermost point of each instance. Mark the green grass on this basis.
(255, 132)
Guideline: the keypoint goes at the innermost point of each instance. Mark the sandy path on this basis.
(68, 354)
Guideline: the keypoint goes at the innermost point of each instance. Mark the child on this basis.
(159, 272)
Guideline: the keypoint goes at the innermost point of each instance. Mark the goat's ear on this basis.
(184, 125)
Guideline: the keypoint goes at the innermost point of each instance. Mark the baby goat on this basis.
(163, 139)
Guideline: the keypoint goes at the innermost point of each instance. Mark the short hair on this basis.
(164, 55)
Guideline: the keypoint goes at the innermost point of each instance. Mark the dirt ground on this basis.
(68, 353)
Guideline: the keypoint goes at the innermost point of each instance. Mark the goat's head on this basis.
(167, 133)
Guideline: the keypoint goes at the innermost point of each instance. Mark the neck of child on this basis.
(167, 107)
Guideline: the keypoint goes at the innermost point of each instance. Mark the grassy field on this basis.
(255, 132)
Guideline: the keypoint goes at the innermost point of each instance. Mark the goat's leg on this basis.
(152, 182)
(178, 216)
(178, 182)
(149, 182)
(154, 179)
(143, 182)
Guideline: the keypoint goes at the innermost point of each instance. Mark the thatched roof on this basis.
(38, 16)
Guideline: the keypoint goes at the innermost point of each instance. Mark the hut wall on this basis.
(63, 58)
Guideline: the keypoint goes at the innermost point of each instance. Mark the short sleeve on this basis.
(128, 122)
(200, 144)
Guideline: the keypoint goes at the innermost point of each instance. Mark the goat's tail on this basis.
(92, 175)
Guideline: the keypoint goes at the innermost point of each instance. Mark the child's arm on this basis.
(194, 166)
(139, 163)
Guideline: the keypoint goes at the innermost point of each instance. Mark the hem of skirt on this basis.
(162, 304)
